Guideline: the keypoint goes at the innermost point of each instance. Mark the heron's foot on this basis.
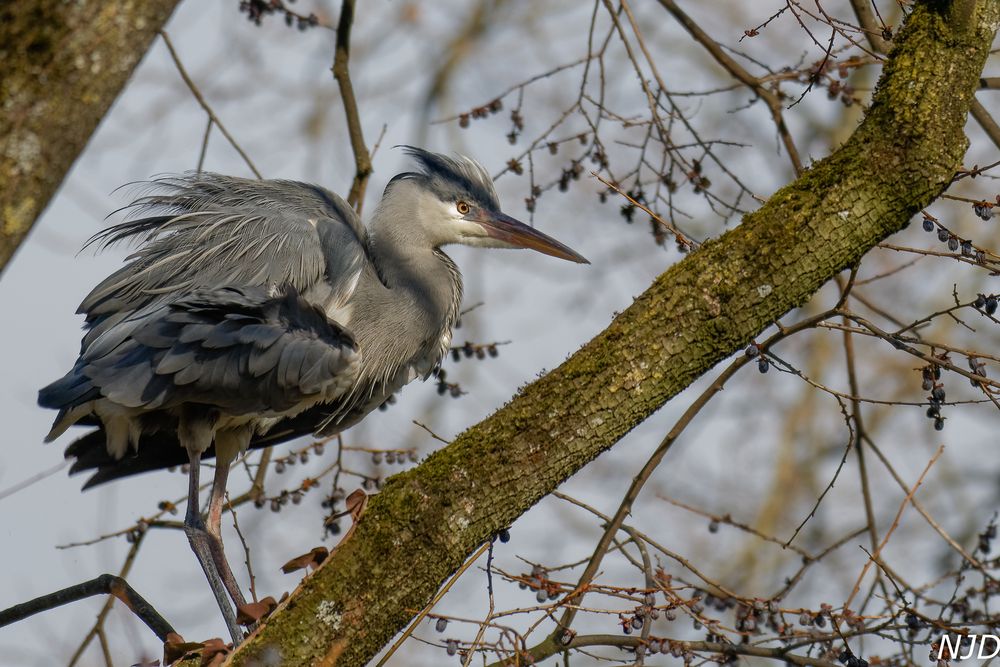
(201, 544)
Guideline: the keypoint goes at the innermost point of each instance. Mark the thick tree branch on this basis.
(962, 11)
(426, 521)
(64, 64)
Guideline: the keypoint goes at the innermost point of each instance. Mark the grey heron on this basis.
(253, 312)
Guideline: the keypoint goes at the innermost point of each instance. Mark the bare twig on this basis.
(204, 105)
(892, 528)
(341, 72)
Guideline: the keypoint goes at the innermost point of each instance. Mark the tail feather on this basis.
(69, 395)
(67, 392)
(160, 449)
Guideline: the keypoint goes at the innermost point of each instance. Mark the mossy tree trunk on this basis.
(426, 521)
(64, 64)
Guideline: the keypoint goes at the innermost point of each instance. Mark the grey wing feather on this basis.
(287, 352)
(209, 230)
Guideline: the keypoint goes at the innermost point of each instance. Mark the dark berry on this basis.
(991, 305)
(763, 365)
(928, 225)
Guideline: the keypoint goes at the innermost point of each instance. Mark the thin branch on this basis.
(781, 654)
(423, 613)
(105, 584)
(869, 24)
(97, 630)
(205, 106)
(986, 121)
(895, 524)
(34, 479)
(736, 70)
(341, 72)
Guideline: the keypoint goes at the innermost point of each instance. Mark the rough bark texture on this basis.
(426, 521)
(64, 63)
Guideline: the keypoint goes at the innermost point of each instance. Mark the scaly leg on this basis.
(201, 544)
(215, 532)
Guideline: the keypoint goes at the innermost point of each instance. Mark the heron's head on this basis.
(453, 200)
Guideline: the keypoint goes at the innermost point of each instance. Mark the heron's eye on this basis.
(463, 208)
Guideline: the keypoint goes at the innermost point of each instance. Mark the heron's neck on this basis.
(403, 317)
(421, 278)
(424, 282)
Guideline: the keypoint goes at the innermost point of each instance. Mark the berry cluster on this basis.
(480, 112)
(256, 10)
(642, 613)
(955, 244)
(986, 538)
(477, 350)
(931, 376)
(983, 209)
(978, 368)
(445, 387)
(986, 303)
(753, 351)
(848, 659)
(538, 581)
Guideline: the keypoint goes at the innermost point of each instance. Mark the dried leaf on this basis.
(176, 648)
(213, 652)
(356, 503)
(252, 612)
(307, 560)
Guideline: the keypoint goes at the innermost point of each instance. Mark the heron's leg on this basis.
(200, 541)
(215, 504)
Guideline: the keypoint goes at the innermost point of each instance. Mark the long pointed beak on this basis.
(508, 230)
